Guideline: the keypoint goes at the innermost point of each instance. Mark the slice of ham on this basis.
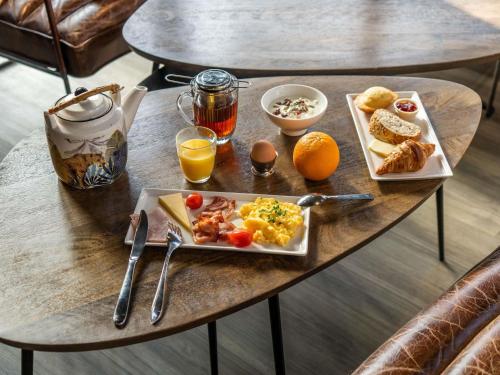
(157, 225)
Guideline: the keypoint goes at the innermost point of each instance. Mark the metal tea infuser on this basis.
(214, 96)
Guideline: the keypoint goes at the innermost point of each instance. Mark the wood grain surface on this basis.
(62, 251)
(261, 38)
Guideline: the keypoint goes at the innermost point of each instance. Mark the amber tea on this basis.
(222, 120)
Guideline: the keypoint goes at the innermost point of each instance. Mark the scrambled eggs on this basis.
(271, 221)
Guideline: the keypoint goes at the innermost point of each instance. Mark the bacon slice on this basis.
(224, 230)
(218, 203)
(212, 224)
(206, 229)
(226, 206)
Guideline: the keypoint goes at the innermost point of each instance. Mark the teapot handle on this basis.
(113, 88)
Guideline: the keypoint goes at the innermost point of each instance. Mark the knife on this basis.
(122, 305)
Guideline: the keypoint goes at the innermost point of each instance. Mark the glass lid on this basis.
(89, 109)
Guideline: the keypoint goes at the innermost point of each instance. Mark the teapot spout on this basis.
(131, 103)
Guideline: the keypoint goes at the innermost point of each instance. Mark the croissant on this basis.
(409, 156)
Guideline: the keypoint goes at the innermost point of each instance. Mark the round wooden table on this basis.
(62, 251)
(261, 38)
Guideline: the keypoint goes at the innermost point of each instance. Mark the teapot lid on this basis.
(86, 110)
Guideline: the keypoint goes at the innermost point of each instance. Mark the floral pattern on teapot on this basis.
(86, 170)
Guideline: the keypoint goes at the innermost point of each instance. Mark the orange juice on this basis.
(197, 159)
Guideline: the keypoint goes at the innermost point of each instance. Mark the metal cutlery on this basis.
(315, 199)
(174, 238)
(123, 303)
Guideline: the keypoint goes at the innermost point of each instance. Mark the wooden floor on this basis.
(332, 321)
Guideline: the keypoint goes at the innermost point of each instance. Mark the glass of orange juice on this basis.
(196, 149)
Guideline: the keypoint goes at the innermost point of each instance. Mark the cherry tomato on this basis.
(194, 201)
(240, 237)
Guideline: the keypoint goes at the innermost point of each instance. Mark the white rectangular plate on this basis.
(148, 200)
(436, 167)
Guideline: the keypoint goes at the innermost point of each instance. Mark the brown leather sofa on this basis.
(89, 32)
(458, 334)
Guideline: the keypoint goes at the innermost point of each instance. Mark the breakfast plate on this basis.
(436, 166)
(149, 201)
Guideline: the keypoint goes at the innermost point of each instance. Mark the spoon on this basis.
(316, 199)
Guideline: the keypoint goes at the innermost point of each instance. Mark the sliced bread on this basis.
(388, 127)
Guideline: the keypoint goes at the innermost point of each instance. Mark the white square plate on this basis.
(436, 167)
(148, 200)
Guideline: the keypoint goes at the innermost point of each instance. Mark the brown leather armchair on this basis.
(75, 37)
(458, 334)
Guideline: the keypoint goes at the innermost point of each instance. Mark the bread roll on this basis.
(374, 98)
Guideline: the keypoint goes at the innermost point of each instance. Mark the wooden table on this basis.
(62, 251)
(261, 38)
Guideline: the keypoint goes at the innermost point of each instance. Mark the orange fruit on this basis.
(316, 156)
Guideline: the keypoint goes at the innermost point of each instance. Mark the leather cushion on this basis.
(482, 355)
(90, 31)
(439, 336)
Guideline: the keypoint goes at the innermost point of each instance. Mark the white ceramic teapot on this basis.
(87, 134)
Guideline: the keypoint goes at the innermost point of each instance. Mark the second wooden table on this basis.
(261, 38)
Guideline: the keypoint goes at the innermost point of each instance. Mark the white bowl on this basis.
(293, 126)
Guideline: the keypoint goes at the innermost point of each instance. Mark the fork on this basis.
(174, 238)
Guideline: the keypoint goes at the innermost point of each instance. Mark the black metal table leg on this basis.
(26, 362)
(440, 221)
(212, 342)
(489, 107)
(156, 66)
(274, 314)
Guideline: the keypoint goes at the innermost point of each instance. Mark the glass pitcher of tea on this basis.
(214, 95)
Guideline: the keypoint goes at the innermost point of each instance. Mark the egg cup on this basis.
(263, 169)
